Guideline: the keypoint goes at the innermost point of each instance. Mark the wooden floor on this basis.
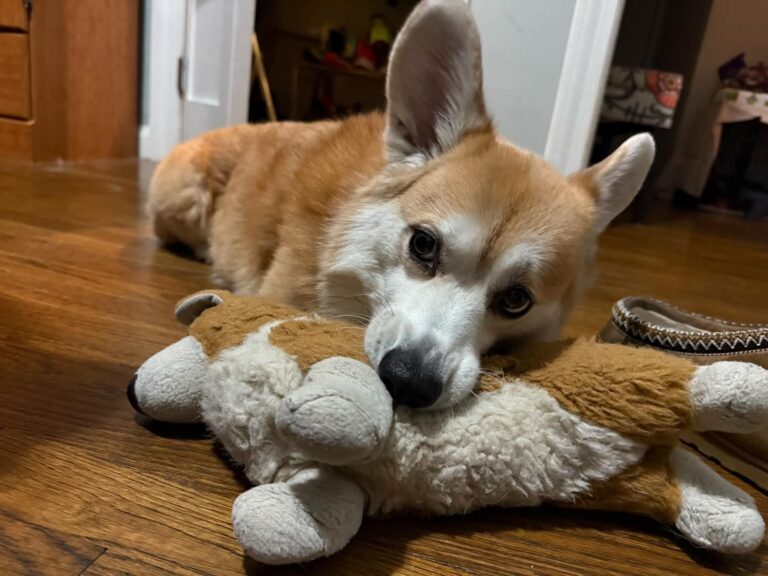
(85, 297)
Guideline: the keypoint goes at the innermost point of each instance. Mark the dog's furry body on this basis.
(326, 215)
(256, 200)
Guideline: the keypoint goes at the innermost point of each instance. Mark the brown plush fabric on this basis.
(637, 392)
(648, 488)
(312, 341)
(228, 324)
(496, 368)
(640, 393)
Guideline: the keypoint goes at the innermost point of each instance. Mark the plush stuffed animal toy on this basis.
(577, 424)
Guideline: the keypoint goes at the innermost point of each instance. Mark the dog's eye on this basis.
(513, 303)
(424, 247)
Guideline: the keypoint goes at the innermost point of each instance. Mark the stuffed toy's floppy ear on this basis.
(189, 308)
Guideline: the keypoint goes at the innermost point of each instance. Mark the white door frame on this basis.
(588, 56)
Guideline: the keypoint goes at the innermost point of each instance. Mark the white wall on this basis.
(524, 44)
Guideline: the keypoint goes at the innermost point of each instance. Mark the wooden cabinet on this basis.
(68, 79)
(13, 15)
(14, 76)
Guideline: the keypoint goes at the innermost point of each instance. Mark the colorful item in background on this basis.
(364, 57)
(381, 40)
(736, 73)
(335, 41)
(341, 49)
(665, 86)
(641, 96)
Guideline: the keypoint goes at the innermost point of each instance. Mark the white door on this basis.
(196, 70)
(163, 50)
(545, 66)
(216, 79)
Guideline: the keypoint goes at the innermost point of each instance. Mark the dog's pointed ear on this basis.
(189, 308)
(615, 181)
(434, 82)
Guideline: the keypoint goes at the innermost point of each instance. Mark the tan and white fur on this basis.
(323, 215)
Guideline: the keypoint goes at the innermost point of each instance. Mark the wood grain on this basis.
(26, 548)
(15, 139)
(13, 15)
(85, 78)
(75, 75)
(86, 488)
(14, 75)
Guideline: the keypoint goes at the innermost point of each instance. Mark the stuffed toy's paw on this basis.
(714, 513)
(341, 415)
(169, 385)
(730, 397)
(314, 514)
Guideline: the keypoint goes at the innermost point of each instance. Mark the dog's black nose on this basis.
(409, 379)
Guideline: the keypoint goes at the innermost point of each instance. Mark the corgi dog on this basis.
(421, 222)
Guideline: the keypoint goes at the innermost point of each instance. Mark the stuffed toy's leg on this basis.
(313, 514)
(726, 397)
(168, 386)
(714, 513)
(341, 415)
(677, 487)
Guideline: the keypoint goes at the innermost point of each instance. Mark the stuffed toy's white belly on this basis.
(512, 447)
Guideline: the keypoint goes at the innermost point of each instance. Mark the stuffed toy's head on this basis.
(579, 424)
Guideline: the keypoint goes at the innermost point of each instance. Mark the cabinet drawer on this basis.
(13, 14)
(16, 139)
(14, 75)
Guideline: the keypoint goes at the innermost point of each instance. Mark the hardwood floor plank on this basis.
(131, 562)
(86, 296)
(27, 548)
(142, 511)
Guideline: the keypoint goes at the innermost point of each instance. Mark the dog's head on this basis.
(464, 241)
